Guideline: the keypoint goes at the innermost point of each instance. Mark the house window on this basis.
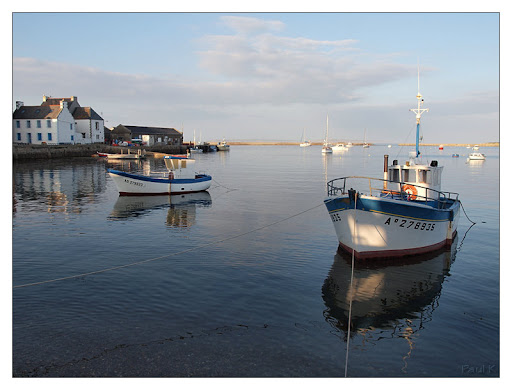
(49, 123)
(19, 136)
(71, 126)
(72, 138)
(38, 124)
(49, 136)
(29, 138)
(28, 124)
(18, 124)
(39, 136)
(83, 135)
(97, 125)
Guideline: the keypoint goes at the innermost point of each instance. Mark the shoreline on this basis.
(22, 152)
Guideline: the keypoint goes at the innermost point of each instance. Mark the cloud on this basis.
(244, 24)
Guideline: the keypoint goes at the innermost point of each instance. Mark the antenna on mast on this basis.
(418, 111)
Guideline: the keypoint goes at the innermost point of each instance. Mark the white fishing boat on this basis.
(476, 156)
(222, 146)
(476, 147)
(180, 178)
(326, 148)
(349, 145)
(404, 213)
(304, 142)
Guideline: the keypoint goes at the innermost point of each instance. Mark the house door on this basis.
(29, 138)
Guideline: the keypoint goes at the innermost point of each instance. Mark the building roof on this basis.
(86, 113)
(144, 130)
(37, 112)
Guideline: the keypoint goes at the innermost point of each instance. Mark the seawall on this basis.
(24, 152)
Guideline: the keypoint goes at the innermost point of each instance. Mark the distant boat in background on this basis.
(327, 146)
(304, 143)
(476, 157)
(365, 144)
(222, 146)
(349, 145)
(339, 147)
(475, 147)
(441, 147)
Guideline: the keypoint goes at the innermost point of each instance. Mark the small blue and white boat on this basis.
(405, 213)
(181, 178)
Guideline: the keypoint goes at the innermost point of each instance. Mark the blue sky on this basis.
(269, 76)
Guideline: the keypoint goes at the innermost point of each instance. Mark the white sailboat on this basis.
(327, 146)
(304, 143)
(365, 144)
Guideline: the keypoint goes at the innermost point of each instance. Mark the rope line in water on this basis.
(351, 289)
(167, 255)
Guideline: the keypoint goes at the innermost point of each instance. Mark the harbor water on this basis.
(244, 280)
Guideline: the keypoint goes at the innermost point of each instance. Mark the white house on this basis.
(57, 121)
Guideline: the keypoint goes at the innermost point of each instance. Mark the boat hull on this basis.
(133, 184)
(379, 228)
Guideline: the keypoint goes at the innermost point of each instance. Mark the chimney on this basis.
(19, 104)
(63, 104)
(44, 98)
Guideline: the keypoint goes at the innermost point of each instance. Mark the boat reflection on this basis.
(386, 294)
(181, 207)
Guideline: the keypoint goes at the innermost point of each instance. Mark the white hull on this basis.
(124, 156)
(339, 148)
(305, 144)
(386, 234)
(131, 184)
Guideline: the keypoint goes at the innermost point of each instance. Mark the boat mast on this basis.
(418, 111)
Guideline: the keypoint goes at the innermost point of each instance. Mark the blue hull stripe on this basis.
(200, 178)
(395, 209)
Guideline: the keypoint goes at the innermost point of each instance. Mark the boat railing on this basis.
(393, 190)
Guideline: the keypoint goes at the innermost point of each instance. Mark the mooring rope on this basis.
(214, 242)
(351, 288)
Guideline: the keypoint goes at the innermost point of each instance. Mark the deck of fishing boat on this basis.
(392, 190)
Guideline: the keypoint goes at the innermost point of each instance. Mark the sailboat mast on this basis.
(418, 111)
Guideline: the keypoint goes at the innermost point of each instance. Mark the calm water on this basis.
(245, 280)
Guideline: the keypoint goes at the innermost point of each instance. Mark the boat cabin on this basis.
(182, 168)
(422, 181)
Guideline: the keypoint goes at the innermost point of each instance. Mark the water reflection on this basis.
(385, 292)
(56, 186)
(181, 208)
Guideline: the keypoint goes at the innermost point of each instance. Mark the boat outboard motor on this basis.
(433, 163)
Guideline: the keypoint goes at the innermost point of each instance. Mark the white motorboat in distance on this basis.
(339, 147)
(124, 156)
(222, 146)
(476, 156)
(181, 178)
(405, 213)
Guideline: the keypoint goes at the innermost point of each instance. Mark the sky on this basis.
(269, 76)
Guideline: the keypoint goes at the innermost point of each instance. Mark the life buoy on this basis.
(411, 191)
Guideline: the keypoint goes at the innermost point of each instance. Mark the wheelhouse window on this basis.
(395, 174)
(423, 176)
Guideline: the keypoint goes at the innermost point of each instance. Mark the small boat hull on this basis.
(380, 228)
(133, 184)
